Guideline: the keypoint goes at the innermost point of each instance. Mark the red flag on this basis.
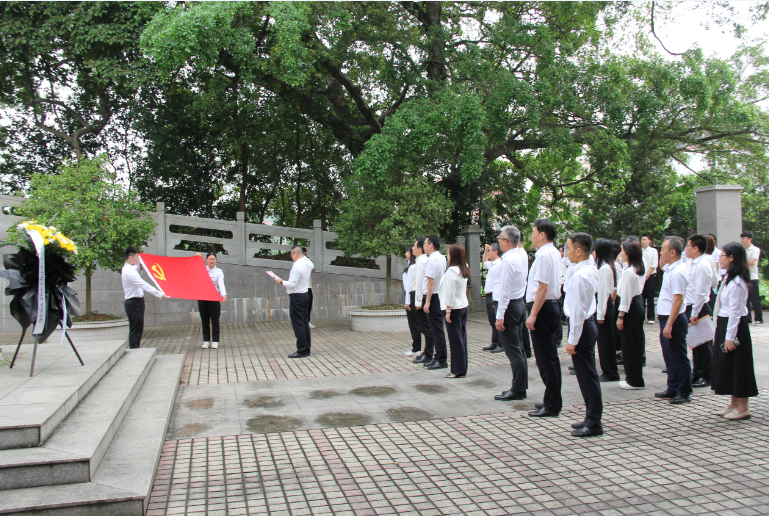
(181, 278)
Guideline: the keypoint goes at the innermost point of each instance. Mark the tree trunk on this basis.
(244, 155)
(88, 273)
(389, 280)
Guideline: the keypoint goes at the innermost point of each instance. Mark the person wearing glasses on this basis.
(299, 301)
(733, 372)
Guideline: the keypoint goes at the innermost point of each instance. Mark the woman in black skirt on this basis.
(631, 314)
(605, 316)
(733, 372)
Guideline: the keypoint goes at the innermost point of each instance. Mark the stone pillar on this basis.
(472, 236)
(241, 237)
(317, 245)
(719, 211)
(158, 242)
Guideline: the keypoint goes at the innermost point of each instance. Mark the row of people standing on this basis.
(436, 293)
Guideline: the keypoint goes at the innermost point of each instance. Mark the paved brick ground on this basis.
(655, 459)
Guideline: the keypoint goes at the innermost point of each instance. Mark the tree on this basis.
(383, 220)
(71, 65)
(84, 200)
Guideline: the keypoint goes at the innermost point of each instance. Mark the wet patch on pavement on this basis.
(263, 402)
(374, 391)
(403, 414)
(342, 419)
(268, 424)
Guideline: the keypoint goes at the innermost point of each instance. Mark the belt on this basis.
(550, 301)
(298, 294)
(488, 294)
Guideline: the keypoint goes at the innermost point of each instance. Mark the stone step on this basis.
(123, 481)
(73, 453)
(32, 408)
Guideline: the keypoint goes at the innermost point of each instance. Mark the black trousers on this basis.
(134, 309)
(423, 324)
(492, 315)
(543, 340)
(607, 353)
(633, 343)
(457, 332)
(309, 310)
(411, 317)
(298, 310)
(525, 337)
(435, 318)
(650, 289)
(702, 355)
(515, 319)
(617, 336)
(587, 376)
(209, 318)
(675, 355)
(755, 300)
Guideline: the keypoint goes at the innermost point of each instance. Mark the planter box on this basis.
(96, 331)
(379, 321)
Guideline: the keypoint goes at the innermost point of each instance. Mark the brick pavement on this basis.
(655, 459)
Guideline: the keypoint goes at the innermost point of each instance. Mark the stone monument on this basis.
(719, 211)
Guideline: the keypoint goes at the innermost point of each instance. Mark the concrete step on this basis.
(32, 408)
(123, 481)
(73, 453)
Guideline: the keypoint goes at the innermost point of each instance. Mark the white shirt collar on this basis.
(579, 265)
(544, 247)
(670, 266)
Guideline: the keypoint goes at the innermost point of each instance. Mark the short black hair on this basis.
(547, 227)
(131, 250)
(646, 235)
(747, 234)
(421, 244)
(435, 240)
(675, 244)
(583, 241)
(700, 242)
(304, 249)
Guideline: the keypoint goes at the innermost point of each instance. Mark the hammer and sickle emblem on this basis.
(157, 271)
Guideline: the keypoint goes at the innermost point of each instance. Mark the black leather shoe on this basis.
(421, 359)
(577, 426)
(438, 364)
(510, 396)
(428, 363)
(571, 368)
(528, 355)
(701, 383)
(665, 395)
(588, 432)
(665, 371)
(572, 372)
(620, 361)
(539, 405)
(543, 413)
(604, 378)
(498, 349)
(298, 355)
(678, 400)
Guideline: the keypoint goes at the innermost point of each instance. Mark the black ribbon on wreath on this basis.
(22, 275)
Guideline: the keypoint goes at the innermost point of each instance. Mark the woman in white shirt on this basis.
(733, 371)
(631, 314)
(416, 336)
(605, 314)
(453, 296)
(211, 310)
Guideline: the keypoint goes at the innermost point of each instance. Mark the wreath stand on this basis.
(34, 352)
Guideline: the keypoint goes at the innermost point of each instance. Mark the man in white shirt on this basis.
(416, 298)
(651, 263)
(753, 254)
(511, 310)
(491, 258)
(434, 270)
(673, 323)
(297, 286)
(525, 338)
(543, 290)
(698, 305)
(134, 288)
(580, 306)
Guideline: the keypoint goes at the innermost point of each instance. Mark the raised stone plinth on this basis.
(719, 211)
(379, 321)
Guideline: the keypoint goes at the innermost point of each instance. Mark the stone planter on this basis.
(95, 331)
(379, 321)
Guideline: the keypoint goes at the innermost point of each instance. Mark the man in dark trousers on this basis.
(134, 288)
(297, 285)
(544, 290)
(434, 271)
(491, 260)
(698, 305)
(580, 306)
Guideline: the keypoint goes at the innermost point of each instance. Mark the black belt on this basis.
(550, 301)
(488, 294)
(298, 294)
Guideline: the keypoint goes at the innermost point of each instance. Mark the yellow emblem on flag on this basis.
(157, 271)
